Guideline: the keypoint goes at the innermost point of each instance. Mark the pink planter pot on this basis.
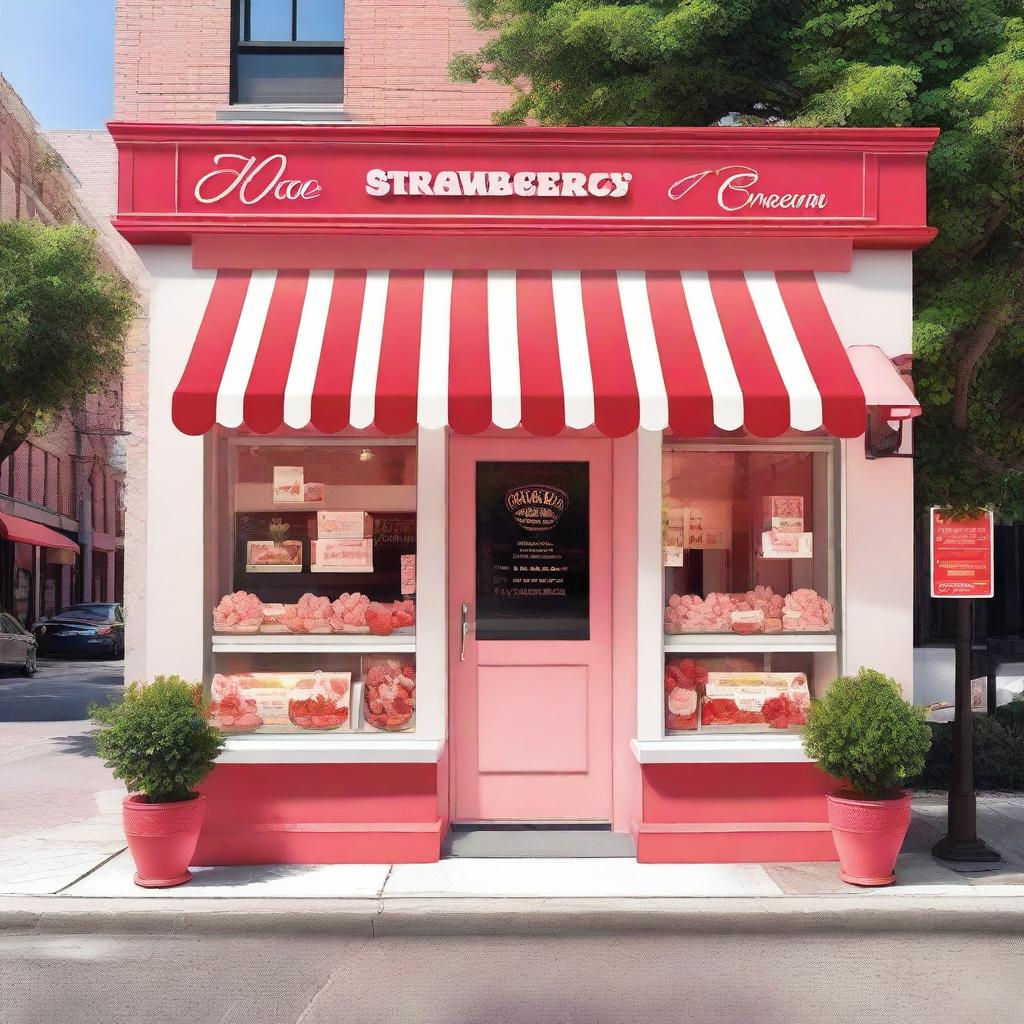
(868, 835)
(162, 839)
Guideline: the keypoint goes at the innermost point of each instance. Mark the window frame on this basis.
(241, 16)
(720, 643)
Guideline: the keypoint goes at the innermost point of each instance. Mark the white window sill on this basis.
(734, 749)
(355, 748)
(284, 113)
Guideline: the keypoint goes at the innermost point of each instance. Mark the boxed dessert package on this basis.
(341, 556)
(748, 701)
(337, 524)
(273, 556)
(783, 512)
(280, 701)
(780, 544)
(313, 494)
(288, 485)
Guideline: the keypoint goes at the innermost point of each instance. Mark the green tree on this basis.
(63, 323)
(955, 65)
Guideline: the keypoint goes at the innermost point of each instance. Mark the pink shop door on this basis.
(530, 686)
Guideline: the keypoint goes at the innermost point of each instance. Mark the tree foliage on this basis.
(863, 731)
(955, 65)
(63, 323)
(157, 739)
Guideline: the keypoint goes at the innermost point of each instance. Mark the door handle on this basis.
(464, 630)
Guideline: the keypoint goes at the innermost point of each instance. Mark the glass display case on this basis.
(750, 579)
(313, 626)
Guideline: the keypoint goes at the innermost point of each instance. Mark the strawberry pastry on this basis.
(348, 613)
(806, 611)
(312, 614)
(238, 613)
(384, 619)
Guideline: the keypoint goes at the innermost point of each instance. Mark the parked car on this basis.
(83, 629)
(18, 647)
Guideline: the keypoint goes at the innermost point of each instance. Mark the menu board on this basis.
(962, 555)
(532, 551)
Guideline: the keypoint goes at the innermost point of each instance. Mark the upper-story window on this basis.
(289, 51)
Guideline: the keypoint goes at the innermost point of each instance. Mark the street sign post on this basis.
(962, 568)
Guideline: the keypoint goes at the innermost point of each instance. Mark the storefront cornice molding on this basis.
(912, 141)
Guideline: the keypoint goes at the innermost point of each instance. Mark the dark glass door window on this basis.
(533, 551)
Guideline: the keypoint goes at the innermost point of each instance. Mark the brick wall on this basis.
(396, 64)
(172, 62)
(171, 59)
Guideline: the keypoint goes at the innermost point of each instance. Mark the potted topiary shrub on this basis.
(864, 734)
(157, 739)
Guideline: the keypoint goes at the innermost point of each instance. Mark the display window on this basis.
(750, 571)
(314, 586)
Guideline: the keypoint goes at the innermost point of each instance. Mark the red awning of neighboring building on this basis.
(542, 350)
(23, 531)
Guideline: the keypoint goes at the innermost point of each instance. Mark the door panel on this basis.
(530, 717)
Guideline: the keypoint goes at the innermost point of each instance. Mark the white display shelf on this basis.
(705, 643)
(337, 748)
(703, 748)
(318, 643)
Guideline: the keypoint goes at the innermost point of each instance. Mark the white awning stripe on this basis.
(371, 334)
(503, 345)
(726, 394)
(238, 369)
(309, 340)
(573, 351)
(435, 335)
(643, 348)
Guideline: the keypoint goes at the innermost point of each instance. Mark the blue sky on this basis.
(58, 55)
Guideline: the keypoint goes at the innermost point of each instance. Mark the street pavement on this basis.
(737, 975)
(60, 809)
(468, 941)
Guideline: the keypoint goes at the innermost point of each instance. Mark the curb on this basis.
(505, 916)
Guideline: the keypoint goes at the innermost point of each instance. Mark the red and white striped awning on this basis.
(542, 350)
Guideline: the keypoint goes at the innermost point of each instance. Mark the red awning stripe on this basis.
(194, 405)
(24, 531)
(543, 350)
(842, 398)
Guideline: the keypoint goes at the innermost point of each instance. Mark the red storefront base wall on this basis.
(323, 814)
(733, 813)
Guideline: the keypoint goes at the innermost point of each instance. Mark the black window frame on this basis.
(241, 16)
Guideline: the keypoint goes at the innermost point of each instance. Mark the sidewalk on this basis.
(87, 862)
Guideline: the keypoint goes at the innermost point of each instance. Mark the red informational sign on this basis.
(962, 556)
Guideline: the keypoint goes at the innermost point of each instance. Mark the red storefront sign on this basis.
(962, 556)
(842, 186)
